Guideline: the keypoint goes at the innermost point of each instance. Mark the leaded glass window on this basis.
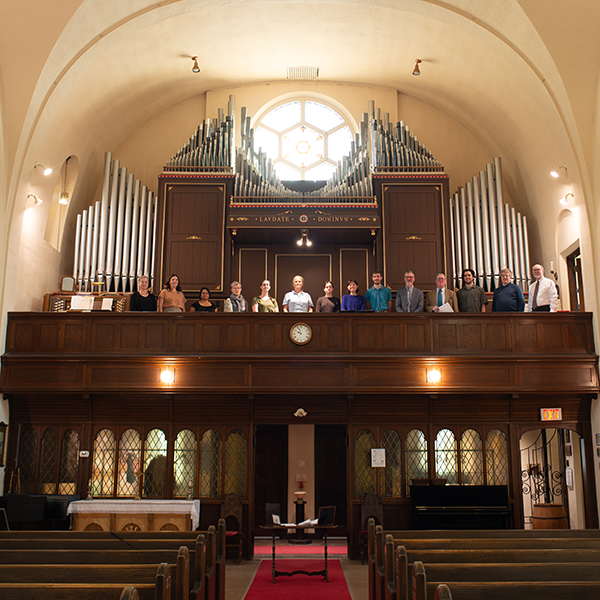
(103, 465)
(445, 456)
(496, 458)
(391, 474)
(155, 464)
(185, 463)
(48, 462)
(210, 464)
(130, 460)
(304, 139)
(236, 462)
(364, 474)
(416, 457)
(27, 457)
(471, 458)
(69, 462)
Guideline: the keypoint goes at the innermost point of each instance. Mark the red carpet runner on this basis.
(299, 586)
(317, 550)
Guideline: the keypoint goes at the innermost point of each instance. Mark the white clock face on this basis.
(301, 333)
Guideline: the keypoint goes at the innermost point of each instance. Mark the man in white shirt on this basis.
(542, 293)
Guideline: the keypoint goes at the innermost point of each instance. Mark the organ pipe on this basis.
(114, 240)
(479, 239)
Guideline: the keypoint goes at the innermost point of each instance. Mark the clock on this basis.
(300, 333)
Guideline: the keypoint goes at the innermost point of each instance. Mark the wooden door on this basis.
(331, 447)
(270, 478)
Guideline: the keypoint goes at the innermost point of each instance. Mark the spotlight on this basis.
(167, 375)
(195, 68)
(46, 171)
(433, 376)
(304, 239)
(556, 173)
(565, 199)
(416, 70)
(36, 199)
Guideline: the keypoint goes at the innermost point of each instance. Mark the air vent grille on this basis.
(302, 72)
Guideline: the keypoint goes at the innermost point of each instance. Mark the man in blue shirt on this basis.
(508, 297)
(379, 297)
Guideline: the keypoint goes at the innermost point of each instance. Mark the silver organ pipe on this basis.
(135, 220)
(112, 222)
(82, 239)
(479, 239)
(486, 283)
(480, 270)
(88, 249)
(115, 236)
(104, 215)
(148, 238)
(452, 240)
(119, 228)
(493, 226)
(471, 212)
(127, 233)
(153, 245)
(77, 244)
(502, 253)
(142, 233)
(95, 238)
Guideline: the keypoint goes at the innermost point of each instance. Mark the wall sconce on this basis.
(195, 68)
(36, 199)
(416, 70)
(304, 239)
(433, 375)
(63, 197)
(46, 171)
(556, 173)
(167, 375)
(565, 199)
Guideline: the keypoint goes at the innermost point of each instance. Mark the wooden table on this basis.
(135, 515)
(278, 528)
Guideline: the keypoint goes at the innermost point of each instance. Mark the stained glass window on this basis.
(471, 458)
(103, 466)
(496, 458)
(363, 472)
(416, 457)
(304, 139)
(155, 464)
(185, 463)
(49, 459)
(130, 456)
(391, 474)
(210, 464)
(445, 456)
(69, 462)
(236, 463)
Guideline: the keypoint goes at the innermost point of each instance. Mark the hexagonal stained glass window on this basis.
(303, 146)
(304, 139)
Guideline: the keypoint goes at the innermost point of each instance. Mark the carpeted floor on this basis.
(317, 550)
(299, 586)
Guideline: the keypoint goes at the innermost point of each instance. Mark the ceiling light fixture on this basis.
(565, 199)
(46, 171)
(36, 199)
(63, 197)
(195, 68)
(304, 239)
(416, 70)
(556, 173)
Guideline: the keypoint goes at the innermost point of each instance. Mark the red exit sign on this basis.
(551, 414)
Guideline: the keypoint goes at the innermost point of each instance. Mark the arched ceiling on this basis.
(98, 71)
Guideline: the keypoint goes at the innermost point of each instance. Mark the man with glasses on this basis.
(409, 299)
(440, 295)
(542, 293)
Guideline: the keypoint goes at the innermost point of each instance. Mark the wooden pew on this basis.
(159, 590)
(502, 586)
(424, 534)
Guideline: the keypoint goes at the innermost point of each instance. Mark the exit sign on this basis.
(551, 414)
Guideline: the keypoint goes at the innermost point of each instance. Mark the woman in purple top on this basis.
(353, 301)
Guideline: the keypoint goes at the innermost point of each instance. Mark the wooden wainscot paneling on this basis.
(307, 375)
(564, 375)
(391, 334)
(460, 335)
(33, 375)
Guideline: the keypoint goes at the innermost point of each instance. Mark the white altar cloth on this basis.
(139, 506)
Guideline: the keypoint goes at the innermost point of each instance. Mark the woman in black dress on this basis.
(204, 304)
(143, 300)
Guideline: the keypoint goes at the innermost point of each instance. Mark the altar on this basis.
(135, 515)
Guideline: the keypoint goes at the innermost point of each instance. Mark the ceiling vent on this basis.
(302, 72)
